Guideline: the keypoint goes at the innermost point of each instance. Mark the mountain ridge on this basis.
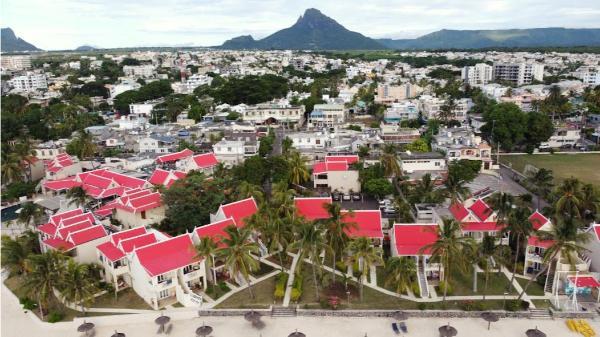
(11, 43)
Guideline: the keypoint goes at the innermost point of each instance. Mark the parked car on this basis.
(389, 210)
(356, 197)
(335, 196)
(346, 197)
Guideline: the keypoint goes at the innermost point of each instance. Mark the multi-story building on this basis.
(29, 82)
(156, 144)
(327, 115)
(478, 220)
(401, 111)
(335, 175)
(518, 73)
(524, 101)
(125, 85)
(420, 163)
(275, 113)
(141, 109)
(16, 62)
(394, 134)
(230, 152)
(388, 94)
(430, 107)
(461, 143)
(563, 137)
(479, 74)
(589, 75)
(143, 71)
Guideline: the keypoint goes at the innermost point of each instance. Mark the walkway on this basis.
(290, 281)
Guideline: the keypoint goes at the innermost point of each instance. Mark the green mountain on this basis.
(11, 43)
(314, 31)
(85, 48)
(470, 39)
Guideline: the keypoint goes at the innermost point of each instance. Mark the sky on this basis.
(67, 24)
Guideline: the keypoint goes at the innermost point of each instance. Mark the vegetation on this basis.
(249, 89)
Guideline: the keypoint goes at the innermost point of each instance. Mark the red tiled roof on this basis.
(167, 255)
(171, 157)
(140, 202)
(481, 210)
(459, 211)
(215, 230)
(312, 208)
(63, 232)
(127, 234)
(411, 238)
(488, 226)
(55, 219)
(110, 251)
(106, 209)
(206, 160)
(535, 241)
(62, 184)
(240, 210)
(350, 159)
(322, 167)
(597, 231)
(59, 244)
(77, 219)
(537, 220)
(158, 177)
(87, 235)
(368, 223)
(97, 181)
(586, 281)
(47, 228)
(128, 245)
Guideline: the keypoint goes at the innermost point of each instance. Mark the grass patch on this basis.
(542, 304)
(263, 292)
(535, 289)
(582, 166)
(126, 299)
(218, 290)
(263, 269)
(462, 283)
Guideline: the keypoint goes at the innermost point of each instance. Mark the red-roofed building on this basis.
(167, 272)
(412, 241)
(367, 224)
(165, 178)
(139, 208)
(539, 221)
(174, 157)
(593, 246)
(477, 220)
(312, 208)
(74, 232)
(335, 176)
(239, 211)
(349, 159)
(62, 166)
(205, 163)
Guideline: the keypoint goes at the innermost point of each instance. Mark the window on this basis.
(437, 163)
(143, 214)
(160, 278)
(163, 294)
(188, 269)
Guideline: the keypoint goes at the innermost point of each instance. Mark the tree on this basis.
(541, 181)
(336, 232)
(78, 196)
(43, 275)
(449, 249)
(389, 161)
(519, 227)
(299, 173)
(237, 254)
(26, 154)
(246, 190)
(12, 170)
(363, 151)
(206, 249)
(503, 204)
(566, 242)
(455, 185)
(378, 187)
(76, 285)
(447, 110)
(590, 202)
(400, 272)
(30, 214)
(419, 145)
(14, 255)
(287, 144)
(366, 255)
(489, 251)
(424, 191)
(309, 244)
(569, 197)
(82, 145)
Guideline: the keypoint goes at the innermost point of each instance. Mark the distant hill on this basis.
(85, 48)
(471, 39)
(11, 43)
(314, 31)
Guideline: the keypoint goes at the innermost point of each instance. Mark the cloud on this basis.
(63, 24)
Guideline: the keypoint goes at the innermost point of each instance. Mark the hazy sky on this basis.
(66, 24)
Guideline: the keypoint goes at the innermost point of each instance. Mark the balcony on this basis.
(534, 257)
(164, 284)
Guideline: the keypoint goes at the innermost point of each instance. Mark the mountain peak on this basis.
(11, 43)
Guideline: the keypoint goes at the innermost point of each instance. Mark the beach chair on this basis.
(395, 328)
(403, 327)
(168, 329)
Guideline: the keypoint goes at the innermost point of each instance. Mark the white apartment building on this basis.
(309, 140)
(327, 115)
(479, 74)
(143, 71)
(425, 161)
(388, 94)
(230, 152)
(401, 111)
(588, 75)
(562, 137)
(156, 144)
(430, 107)
(29, 82)
(191, 83)
(125, 85)
(16, 62)
(275, 113)
(518, 73)
(144, 109)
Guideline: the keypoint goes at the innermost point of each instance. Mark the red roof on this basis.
(215, 230)
(597, 231)
(127, 234)
(128, 245)
(165, 178)
(322, 167)
(63, 232)
(459, 211)
(59, 244)
(77, 219)
(240, 210)
(312, 208)
(59, 162)
(487, 226)
(411, 238)
(350, 159)
(481, 210)
(62, 184)
(368, 223)
(140, 201)
(106, 209)
(538, 220)
(206, 160)
(110, 251)
(97, 181)
(586, 281)
(167, 255)
(55, 219)
(47, 228)
(536, 242)
(172, 157)
(87, 235)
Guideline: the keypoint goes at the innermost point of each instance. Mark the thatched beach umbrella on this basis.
(252, 316)
(297, 334)
(534, 333)
(118, 334)
(490, 317)
(204, 330)
(86, 327)
(447, 331)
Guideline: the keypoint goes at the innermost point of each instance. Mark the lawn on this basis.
(535, 289)
(542, 304)
(263, 292)
(582, 166)
(126, 299)
(462, 283)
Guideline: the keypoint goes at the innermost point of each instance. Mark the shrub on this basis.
(414, 287)
(295, 295)
(341, 266)
(422, 306)
(296, 288)
(515, 305)
(442, 286)
(280, 286)
(223, 286)
(54, 317)
(466, 305)
(27, 303)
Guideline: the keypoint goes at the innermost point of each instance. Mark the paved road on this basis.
(507, 180)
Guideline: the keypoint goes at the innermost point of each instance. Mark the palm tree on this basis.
(455, 188)
(541, 181)
(366, 255)
(310, 243)
(389, 161)
(297, 167)
(424, 191)
(237, 254)
(503, 204)
(76, 284)
(14, 254)
(78, 196)
(12, 170)
(282, 199)
(400, 272)
(336, 231)
(590, 202)
(26, 154)
(85, 144)
(450, 248)
(569, 197)
(207, 249)
(447, 110)
(519, 227)
(30, 213)
(43, 275)
(246, 190)
(489, 251)
(567, 243)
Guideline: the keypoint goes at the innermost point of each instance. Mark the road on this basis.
(509, 184)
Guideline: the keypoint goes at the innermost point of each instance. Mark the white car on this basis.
(346, 197)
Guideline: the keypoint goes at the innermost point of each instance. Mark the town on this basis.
(287, 181)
